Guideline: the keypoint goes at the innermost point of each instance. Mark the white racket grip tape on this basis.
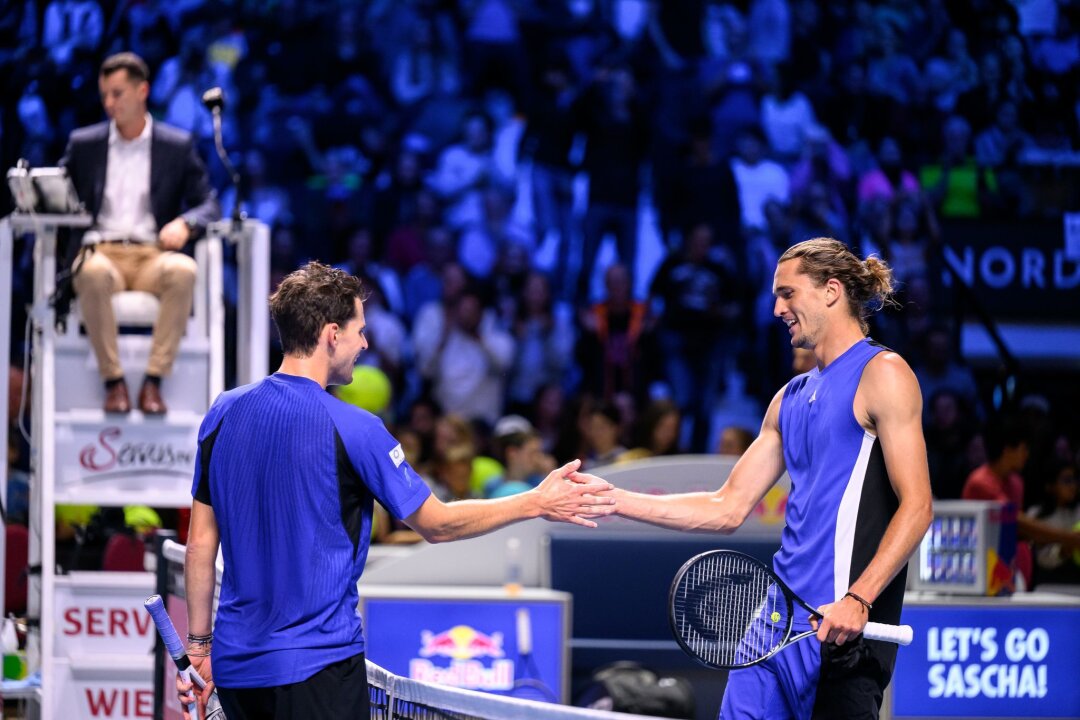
(899, 634)
(524, 632)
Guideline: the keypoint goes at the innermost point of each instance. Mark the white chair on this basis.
(198, 373)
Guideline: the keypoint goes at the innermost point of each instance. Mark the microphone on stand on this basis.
(214, 101)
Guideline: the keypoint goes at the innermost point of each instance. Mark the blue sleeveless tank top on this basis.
(841, 500)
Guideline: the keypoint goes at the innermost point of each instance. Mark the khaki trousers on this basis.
(110, 268)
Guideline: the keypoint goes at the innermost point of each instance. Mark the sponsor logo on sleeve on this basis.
(397, 455)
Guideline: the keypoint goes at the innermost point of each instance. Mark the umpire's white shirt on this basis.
(125, 206)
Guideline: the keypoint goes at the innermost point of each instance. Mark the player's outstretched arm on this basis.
(722, 511)
(555, 499)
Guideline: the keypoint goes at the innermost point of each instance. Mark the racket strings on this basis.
(728, 611)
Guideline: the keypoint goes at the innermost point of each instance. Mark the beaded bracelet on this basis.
(860, 600)
(200, 639)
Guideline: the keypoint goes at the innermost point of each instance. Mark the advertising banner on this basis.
(506, 647)
(983, 661)
(1021, 271)
(99, 462)
(104, 642)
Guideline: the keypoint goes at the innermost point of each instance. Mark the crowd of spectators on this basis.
(469, 160)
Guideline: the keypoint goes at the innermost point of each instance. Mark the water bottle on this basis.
(512, 585)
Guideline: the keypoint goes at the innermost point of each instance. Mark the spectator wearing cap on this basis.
(519, 448)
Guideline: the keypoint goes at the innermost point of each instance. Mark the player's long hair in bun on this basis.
(867, 283)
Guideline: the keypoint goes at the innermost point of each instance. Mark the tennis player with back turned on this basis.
(285, 479)
(849, 434)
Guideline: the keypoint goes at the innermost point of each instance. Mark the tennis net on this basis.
(397, 698)
(393, 697)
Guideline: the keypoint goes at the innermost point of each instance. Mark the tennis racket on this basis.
(156, 608)
(728, 610)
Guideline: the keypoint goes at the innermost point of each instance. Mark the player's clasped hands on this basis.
(583, 497)
(587, 480)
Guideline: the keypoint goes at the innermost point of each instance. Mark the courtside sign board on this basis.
(505, 645)
(989, 661)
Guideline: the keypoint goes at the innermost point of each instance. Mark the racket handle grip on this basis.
(156, 607)
(899, 634)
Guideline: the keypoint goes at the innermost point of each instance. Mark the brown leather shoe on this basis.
(116, 398)
(150, 401)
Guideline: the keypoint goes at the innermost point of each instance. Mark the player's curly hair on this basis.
(310, 298)
(867, 283)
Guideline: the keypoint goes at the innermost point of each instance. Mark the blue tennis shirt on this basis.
(291, 473)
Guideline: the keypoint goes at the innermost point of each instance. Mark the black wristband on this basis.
(859, 600)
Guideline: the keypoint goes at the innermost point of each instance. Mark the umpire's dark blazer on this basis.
(178, 179)
(178, 184)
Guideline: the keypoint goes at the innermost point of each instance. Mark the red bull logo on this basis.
(463, 645)
(461, 642)
(772, 507)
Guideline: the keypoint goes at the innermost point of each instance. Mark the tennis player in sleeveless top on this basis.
(849, 434)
